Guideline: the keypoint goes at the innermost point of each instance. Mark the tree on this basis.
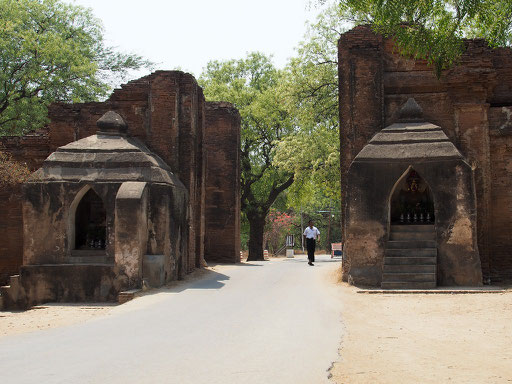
(312, 80)
(312, 152)
(434, 29)
(52, 51)
(254, 86)
(314, 158)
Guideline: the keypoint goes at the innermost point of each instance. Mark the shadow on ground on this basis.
(199, 279)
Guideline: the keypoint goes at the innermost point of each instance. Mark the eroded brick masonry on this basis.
(167, 111)
(471, 102)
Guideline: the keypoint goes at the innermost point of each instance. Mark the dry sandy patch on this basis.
(49, 316)
(425, 338)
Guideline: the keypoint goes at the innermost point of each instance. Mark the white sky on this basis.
(189, 33)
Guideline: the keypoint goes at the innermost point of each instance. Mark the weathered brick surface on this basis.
(200, 187)
(222, 143)
(500, 121)
(471, 102)
(32, 150)
(360, 79)
(11, 228)
(166, 110)
(361, 107)
(162, 110)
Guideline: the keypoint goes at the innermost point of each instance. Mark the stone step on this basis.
(408, 285)
(413, 228)
(126, 296)
(421, 235)
(88, 252)
(411, 252)
(408, 277)
(100, 260)
(410, 260)
(409, 268)
(395, 244)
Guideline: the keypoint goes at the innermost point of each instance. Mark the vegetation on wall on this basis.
(12, 172)
(433, 29)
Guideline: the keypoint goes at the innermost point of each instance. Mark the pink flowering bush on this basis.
(279, 224)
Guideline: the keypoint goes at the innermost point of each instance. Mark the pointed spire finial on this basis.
(411, 112)
(111, 123)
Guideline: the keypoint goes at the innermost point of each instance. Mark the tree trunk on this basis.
(256, 215)
(256, 230)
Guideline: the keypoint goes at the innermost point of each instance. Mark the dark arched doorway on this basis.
(412, 201)
(90, 222)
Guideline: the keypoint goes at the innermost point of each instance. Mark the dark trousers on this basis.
(311, 245)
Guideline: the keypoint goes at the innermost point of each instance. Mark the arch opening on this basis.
(90, 222)
(412, 201)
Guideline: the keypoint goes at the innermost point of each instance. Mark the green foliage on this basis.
(312, 152)
(326, 215)
(312, 80)
(434, 29)
(314, 158)
(52, 51)
(244, 232)
(253, 86)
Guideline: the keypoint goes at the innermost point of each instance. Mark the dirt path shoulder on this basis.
(49, 316)
(425, 338)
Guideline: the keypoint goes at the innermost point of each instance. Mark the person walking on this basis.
(311, 234)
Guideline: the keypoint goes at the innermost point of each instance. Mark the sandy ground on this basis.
(425, 338)
(49, 316)
(53, 315)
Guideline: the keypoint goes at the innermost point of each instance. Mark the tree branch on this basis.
(276, 190)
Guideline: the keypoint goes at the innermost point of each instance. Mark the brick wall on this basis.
(166, 110)
(222, 151)
(375, 82)
(162, 110)
(32, 150)
(200, 186)
(501, 207)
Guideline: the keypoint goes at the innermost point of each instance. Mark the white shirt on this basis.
(311, 233)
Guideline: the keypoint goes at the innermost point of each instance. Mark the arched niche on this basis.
(411, 201)
(88, 221)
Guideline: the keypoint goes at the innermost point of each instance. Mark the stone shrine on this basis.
(136, 198)
(389, 196)
(426, 183)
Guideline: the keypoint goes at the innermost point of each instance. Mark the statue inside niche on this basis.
(414, 200)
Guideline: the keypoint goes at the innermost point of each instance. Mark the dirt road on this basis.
(425, 338)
